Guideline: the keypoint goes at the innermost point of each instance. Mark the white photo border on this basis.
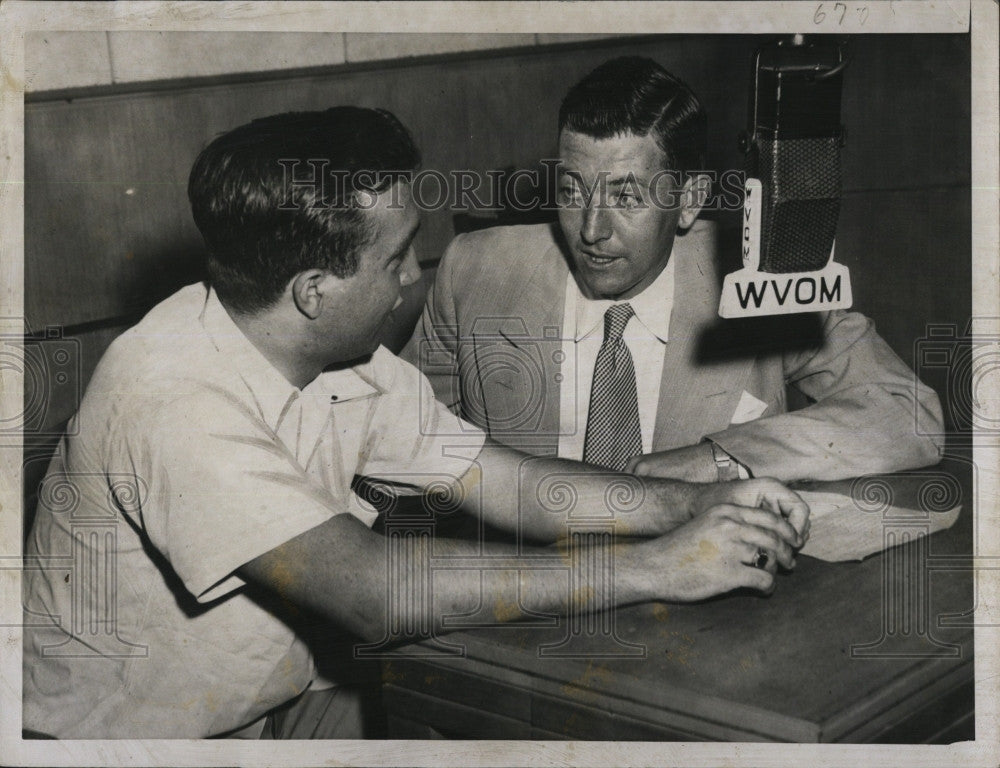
(576, 16)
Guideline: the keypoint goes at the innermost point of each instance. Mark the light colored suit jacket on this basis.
(489, 340)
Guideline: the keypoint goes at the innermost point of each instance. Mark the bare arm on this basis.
(341, 570)
(537, 496)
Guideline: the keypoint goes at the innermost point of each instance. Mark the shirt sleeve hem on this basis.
(218, 577)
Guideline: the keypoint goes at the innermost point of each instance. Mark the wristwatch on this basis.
(726, 466)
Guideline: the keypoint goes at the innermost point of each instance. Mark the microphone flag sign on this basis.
(792, 191)
(751, 292)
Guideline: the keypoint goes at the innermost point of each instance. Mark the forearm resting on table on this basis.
(343, 571)
(536, 496)
(539, 497)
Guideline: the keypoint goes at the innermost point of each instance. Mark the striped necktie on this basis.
(613, 432)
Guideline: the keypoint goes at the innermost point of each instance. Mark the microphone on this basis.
(792, 195)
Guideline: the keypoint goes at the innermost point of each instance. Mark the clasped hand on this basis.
(759, 493)
(715, 551)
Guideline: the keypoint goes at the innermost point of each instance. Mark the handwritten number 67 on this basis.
(820, 15)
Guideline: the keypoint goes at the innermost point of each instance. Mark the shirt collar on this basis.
(271, 391)
(652, 307)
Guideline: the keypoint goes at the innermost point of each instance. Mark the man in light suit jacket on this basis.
(512, 335)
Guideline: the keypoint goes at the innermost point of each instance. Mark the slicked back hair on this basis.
(635, 95)
(280, 195)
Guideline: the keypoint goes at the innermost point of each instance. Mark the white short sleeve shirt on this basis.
(190, 456)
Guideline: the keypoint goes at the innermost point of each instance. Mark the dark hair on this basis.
(278, 196)
(636, 95)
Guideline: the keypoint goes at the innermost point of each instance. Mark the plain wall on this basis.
(57, 60)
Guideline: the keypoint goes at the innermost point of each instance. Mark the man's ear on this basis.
(696, 191)
(308, 290)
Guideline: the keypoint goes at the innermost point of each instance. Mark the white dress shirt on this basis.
(645, 336)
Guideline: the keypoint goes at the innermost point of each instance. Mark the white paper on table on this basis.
(839, 530)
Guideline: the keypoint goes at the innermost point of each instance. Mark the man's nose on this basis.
(595, 225)
(410, 272)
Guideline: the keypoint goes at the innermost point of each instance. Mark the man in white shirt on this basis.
(599, 339)
(201, 505)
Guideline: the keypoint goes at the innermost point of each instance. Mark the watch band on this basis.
(726, 466)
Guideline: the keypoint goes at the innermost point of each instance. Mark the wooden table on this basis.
(878, 650)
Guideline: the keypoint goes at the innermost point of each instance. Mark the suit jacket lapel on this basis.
(697, 396)
(517, 341)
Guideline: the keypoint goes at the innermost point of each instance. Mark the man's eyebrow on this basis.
(617, 181)
(629, 178)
